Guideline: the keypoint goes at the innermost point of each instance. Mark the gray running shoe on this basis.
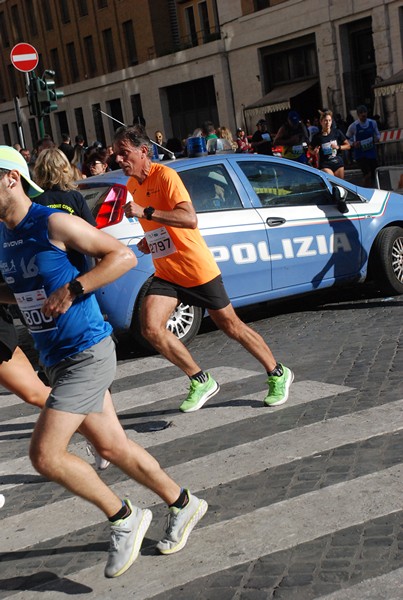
(126, 538)
(100, 463)
(180, 524)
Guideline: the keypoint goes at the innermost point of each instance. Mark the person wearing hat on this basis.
(242, 141)
(363, 134)
(75, 346)
(293, 136)
(261, 139)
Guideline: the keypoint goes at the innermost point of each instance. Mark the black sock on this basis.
(122, 513)
(277, 371)
(181, 501)
(201, 377)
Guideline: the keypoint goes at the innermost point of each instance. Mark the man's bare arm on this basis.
(114, 259)
(183, 215)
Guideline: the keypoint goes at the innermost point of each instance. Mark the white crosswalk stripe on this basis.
(242, 538)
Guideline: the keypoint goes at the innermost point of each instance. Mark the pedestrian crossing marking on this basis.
(247, 537)
(183, 425)
(211, 470)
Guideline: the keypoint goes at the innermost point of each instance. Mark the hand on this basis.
(133, 210)
(143, 246)
(58, 302)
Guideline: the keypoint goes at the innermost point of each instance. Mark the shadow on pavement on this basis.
(335, 298)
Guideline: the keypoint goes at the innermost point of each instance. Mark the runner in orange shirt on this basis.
(185, 271)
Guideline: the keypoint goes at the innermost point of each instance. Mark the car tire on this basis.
(387, 267)
(184, 322)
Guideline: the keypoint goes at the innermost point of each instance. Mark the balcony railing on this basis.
(198, 38)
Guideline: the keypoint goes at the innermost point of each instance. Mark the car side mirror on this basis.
(339, 195)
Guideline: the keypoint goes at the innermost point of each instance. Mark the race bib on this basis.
(297, 150)
(327, 149)
(160, 242)
(30, 304)
(367, 144)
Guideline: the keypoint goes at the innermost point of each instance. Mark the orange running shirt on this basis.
(179, 255)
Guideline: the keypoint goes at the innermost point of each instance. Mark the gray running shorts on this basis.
(79, 382)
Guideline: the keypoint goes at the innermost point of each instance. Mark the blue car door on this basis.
(232, 228)
(310, 242)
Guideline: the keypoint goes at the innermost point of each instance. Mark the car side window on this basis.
(211, 188)
(283, 185)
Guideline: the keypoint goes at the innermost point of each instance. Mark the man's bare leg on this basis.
(155, 311)
(228, 321)
(19, 377)
(49, 455)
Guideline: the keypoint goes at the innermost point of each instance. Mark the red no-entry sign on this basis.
(24, 57)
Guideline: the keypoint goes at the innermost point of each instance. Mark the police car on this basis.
(275, 227)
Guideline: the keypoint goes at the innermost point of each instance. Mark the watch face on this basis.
(76, 287)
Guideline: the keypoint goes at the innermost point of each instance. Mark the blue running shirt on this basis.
(33, 268)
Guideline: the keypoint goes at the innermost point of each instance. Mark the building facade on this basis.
(177, 63)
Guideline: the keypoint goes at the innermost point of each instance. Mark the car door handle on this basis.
(275, 221)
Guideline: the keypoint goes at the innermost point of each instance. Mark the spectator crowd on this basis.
(327, 142)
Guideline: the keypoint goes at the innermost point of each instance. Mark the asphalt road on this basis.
(304, 499)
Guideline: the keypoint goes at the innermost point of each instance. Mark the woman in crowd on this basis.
(242, 142)
(328, 145)
(228, 143)
(97, 163)
(53, 173)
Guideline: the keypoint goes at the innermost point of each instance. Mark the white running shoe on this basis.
(100, 463)
(180, 524)
(2, 500)
(126, 538)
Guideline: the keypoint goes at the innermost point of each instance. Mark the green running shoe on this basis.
(180, 524)
(199, 393)
(279, 387)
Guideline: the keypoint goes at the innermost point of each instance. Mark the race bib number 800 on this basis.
(30, 304)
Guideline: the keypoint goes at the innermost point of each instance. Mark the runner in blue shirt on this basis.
(58, 304)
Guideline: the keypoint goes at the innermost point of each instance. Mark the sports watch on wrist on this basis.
(148, 212)
(76, 288)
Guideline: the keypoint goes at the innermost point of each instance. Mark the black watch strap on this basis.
(76, 287)
(148, 212)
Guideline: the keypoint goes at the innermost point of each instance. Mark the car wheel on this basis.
(388, 260)
(184, 322)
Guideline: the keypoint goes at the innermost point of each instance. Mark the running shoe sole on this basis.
(141, 531)
(199, 514)
(203, 399)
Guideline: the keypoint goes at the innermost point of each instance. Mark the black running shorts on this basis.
(211, 295)
(8, 335)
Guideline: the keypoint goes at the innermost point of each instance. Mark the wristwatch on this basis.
(148, 212)
(76, 288)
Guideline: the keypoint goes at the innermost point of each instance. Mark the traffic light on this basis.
(47, 93)
(32, 97)
(42, 95)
